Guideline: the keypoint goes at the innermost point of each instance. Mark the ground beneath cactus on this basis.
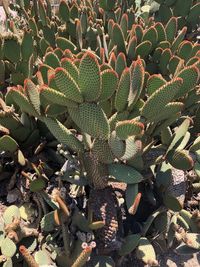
(171, 259)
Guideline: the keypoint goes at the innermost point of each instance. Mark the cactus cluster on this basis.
(99, 131)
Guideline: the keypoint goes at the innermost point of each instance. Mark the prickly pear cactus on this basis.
(99, 125)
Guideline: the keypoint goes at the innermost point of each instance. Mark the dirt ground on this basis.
(171, 259)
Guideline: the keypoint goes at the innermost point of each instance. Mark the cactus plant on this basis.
(120, 91)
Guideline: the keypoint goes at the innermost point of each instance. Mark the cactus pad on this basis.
(127, 128)
(89, 77)
(146, 252)
(67, 85)
(161, 97)
(94, 121)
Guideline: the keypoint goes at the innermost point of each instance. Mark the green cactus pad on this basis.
(70, 67)
(196, 145)
(48, 223)
(157, 53)
(146, 252)
(89, 77)
(182, 249)
(184, 141)
(42, 257)
(137, 82)
(62, 134)
(165, 44)
(121, 98)
(117, 146)
(37, 185)
(193, 61)
(96, 225)
(127, 128)
(75, 116)
(172, 203)
(27, 45)
(182, 223)
(180, 159)
(187, 216)
(138, 32)
(133, 148)
(171, 29)
(190, 76)
(120, 63)
(143, 49)
(178, 39)
(161, 32)
(124, 173)
(118, 116)
(64, 11)
(42, 13)
(33, 26)
(67, 85)
(151, 219)
(171, 231)
(161, 222)
(182, 7)
(64, 44)
(167, 111)
(161, 97)
(166, 136)
(45, 69)
(165, 13)
(151, 35)
(54, 110)
(130, 194)
(22, 101)
(58, 52)
(195, 50)
(130, 242)
(154, 82)
(51, 80)
(185, 50)
(175, 63)
(2, 72)
(27, 212)
(56, 97)
(8, 263)
(194, 13)
(52, 60)
(32, 93)
(9, 248)
(68, 54)
(132, 48)
(109, 85)
(164, 61)
(20, 158)
(179, 134)
(11, 49)
(11, 213)
(193, 16)
(94, 121)
(7, 143)
(49, 35)
(118, 38)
